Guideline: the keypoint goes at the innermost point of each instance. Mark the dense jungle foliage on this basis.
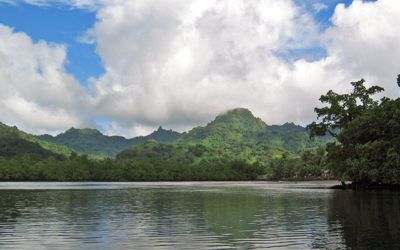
(367, 133)
(235, 146)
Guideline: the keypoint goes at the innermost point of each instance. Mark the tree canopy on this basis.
(341, 109)
(367, 133)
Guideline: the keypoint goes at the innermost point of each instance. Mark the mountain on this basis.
(233, 126)
(160, 135)
(236, 134)
(17, 137)
(240, 127)
(13, 146)
(93, 142)
(88, 141)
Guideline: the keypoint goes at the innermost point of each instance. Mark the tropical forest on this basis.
(355, 139)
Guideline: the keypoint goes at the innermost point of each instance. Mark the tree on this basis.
(342, 109)
(367, 133)
(370, 146)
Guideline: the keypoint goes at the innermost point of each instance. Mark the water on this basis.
(205, 215)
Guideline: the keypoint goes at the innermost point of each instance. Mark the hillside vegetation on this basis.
(93, 142)
(367, 131)
(236, 134)
(14, 132)
(234, 146)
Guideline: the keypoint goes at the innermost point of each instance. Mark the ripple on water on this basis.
(191, 216)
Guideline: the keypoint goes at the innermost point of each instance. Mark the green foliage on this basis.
(238, 134)
(15, 132)
(368, 144)
(94, 143)
(235, 146)
(89, 141)
(231, 127)
(343, 108)
(311, 165)
(369, 149)
(80, 168)
(11, 146)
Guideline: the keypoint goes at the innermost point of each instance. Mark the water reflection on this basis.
(197, 217)
(369, 220)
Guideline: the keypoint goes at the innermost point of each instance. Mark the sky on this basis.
(127, 67)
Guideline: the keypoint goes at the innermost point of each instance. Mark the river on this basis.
(196, 215)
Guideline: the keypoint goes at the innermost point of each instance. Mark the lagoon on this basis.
(196, 215)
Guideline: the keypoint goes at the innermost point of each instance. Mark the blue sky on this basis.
(58, 24)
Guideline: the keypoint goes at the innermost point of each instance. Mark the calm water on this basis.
(195, 216)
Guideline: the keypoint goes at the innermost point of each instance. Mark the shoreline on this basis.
(338, 186)
(369, 186)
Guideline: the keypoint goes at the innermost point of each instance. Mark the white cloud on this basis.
(182, 62)
(115, 128)
(179, 63)
(364, 41)
(318, 7)
(35, 91)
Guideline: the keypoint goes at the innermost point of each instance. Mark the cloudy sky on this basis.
(126, 67)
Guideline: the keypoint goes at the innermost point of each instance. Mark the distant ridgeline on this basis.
(234, 146)
(236, 134)
(92, 142)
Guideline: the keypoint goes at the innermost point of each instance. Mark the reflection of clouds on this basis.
(165, 216)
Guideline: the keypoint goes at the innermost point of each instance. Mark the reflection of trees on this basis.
(8, 210)
(369, 220)
(225, 215)
(231, 214)
(249, 218)
(134, 215)
(238, 217)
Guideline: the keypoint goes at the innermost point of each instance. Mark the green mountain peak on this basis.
(233, 125)
(239, 118)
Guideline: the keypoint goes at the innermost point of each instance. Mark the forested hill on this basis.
(239, 128)
(234, 146)
(17, 137)
(93, 142)
(236, 134)
(236, 125)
